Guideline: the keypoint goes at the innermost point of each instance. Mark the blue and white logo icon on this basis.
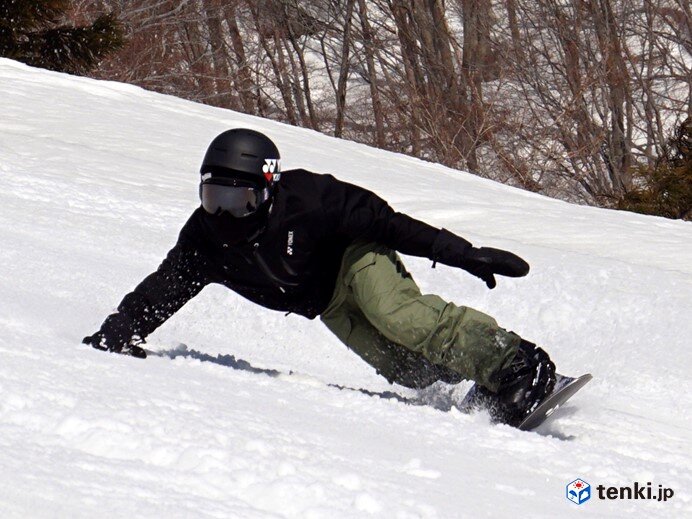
(579, 491)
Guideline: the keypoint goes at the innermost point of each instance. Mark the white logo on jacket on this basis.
(289, 248)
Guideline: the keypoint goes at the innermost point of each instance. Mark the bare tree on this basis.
(247, 90)
(568, 98)
(372, 75)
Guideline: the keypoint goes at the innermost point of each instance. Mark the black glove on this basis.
(483, 263)
(486, 262)
(100, 342)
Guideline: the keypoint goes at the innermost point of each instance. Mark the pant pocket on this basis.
(361, 264)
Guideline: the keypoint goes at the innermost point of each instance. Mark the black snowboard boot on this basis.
(523, 385)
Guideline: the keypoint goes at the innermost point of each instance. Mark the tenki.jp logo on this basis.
(579, 491)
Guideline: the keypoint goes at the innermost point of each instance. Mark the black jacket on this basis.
(291, 266)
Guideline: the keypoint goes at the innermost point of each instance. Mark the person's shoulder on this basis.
(195, 217)
(302, 176)
(191, 233)
(293, 175)
(304, 179)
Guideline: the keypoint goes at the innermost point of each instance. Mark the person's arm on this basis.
(361, 214)
(180, 277)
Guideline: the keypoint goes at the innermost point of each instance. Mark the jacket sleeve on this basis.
(361, 214)
(180, 277)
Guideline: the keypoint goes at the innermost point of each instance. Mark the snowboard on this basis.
(565, 388)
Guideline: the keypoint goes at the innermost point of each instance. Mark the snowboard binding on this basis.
(522, 386)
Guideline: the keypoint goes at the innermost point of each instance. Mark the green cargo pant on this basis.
(412, 339)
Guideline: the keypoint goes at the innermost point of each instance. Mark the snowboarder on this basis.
(307, 243)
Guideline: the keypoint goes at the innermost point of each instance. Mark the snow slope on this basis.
(96, 178)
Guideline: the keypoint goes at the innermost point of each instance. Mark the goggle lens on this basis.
(239, 201)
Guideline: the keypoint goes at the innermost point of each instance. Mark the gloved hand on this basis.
(486, 262)
(483, 263)
(99, 341)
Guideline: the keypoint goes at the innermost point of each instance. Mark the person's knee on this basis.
(409, 321)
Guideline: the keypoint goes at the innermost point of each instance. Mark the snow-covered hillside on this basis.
(96, 179)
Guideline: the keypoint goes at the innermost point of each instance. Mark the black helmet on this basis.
(244, 155)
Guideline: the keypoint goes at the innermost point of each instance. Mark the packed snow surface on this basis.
(96, 179)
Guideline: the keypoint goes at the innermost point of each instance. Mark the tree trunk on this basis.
(414, 84)
(212, 9)
(368, 48)
(475, 53)
(293, 39)
(247, 89)
(344, 69)
(618, 145)
(196, 55)
(278, 70)
(517, 47)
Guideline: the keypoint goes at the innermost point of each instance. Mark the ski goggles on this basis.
(238, 200)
